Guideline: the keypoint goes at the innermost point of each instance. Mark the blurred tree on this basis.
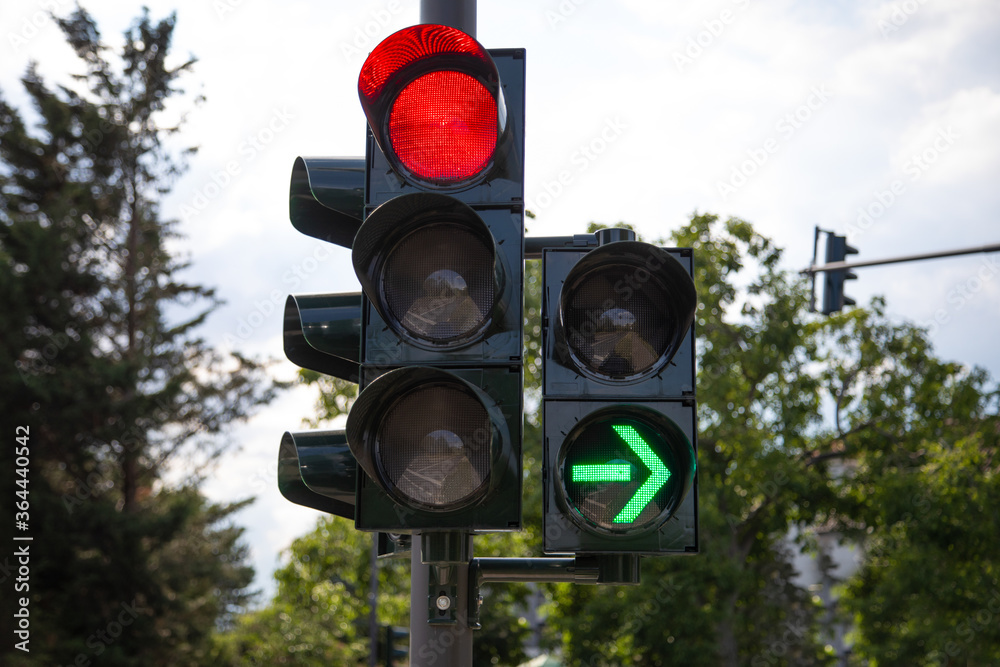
(922, 439)
(111, 389)
(319, 614)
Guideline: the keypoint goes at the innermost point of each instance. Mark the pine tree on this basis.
(111, 389)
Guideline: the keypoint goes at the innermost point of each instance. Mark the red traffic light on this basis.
(443, 126)
(433, 99)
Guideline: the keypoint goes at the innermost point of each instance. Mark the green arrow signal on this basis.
(659, 474)
(609, 472)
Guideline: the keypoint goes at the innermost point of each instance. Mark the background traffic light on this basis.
(834, 298)
(436, 429)
(620, 466)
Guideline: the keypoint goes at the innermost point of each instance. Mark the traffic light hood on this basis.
(326, 198)
(322, 332)
(316, 469)
(434, 102)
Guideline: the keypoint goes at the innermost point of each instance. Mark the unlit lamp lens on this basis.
(434, 446)
(438, 283)
(615, 336)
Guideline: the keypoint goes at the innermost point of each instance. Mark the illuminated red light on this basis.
(430, 93)
(443, 126)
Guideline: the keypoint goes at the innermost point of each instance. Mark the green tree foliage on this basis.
(921, 440)
(320, 612)
(319, 615)
(111, 388)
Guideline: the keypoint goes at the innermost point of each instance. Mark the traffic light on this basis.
(620, 468)
(436, 428)
(434, 218)
(834, 298)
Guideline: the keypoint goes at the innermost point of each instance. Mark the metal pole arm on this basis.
(837, 266)
(534, 245)
(538, 570)
(525, 570)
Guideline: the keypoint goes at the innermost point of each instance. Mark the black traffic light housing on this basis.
(834, 298)
(434, 218)
(620, 465)
(436, 428)
(439, 449)
(393, 253)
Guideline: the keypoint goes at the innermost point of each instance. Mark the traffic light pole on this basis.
(373, 604)
(534, 245)
(838, 269)
(441, 623)
(440, 633)
(459, 14)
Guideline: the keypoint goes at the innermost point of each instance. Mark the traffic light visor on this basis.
(316, 469)
(433, 99)
(326, 198)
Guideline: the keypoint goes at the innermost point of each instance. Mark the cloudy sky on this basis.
(879, 119)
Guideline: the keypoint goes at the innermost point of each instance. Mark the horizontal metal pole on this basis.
(539, 570)
(837, 266)
(533, 245)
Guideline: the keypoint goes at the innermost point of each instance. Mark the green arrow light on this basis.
(609, 472)
(659, 474)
